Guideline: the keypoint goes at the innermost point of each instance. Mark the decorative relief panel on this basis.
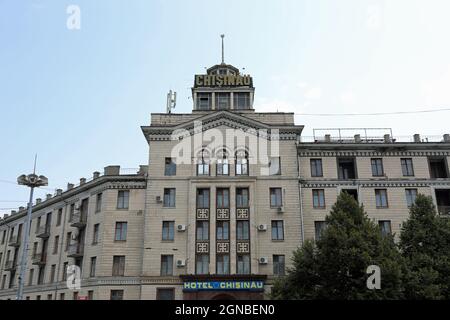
(203, 213)
(202, 247)
(223, 247)
(243, 247)
(223, 213)
(242, 213)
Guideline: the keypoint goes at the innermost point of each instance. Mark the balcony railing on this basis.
(75, 250)
(10, 265)
(14, 241)
(39, 258)
(78, 220)
(444, 211)
(43, 232)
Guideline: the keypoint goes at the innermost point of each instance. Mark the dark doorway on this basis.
(352, 192)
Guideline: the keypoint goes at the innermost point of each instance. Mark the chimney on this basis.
(38, 200)
(21, 208)
(446, 137)
(70, 186)
(387, 138)
(13, 212)
(5, 216)
(96, 175)
(357, 138)
(417, 138)
(58, 192)
(82, 181)
(143, 169)
(327, 138)
(112, 170)
(48, 196)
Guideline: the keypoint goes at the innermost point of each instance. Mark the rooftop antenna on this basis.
(223, 60)
(171, 101)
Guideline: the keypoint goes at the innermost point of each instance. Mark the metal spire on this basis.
(222, 36)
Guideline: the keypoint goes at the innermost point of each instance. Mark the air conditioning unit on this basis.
(181, 263)
(181, 227)
(158, 199)
(262, 227)
(263, 260)
(280, 209)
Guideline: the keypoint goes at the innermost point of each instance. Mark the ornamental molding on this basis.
(323, 153)
(375, 184)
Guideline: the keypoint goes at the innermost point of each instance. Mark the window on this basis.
(407, 167)
(116, 294)
(165, 294)
(203, 101)
(4, 237)
(49, 297)
(169, 197)
(222, 100)
(223, 230)
(203, 163)
(52, 273)
(278, 265)
(222, 168)
(64, 271)
(438, 168)
(59, 217)
(41, 273)
(411, 195)
(275, 166)
(275, 198)
(223, 198)
(71, 211)
(223, 264)
(319, 227)
(168, 230)
(346, 168)
(62, 296)
(91, 295)
(377, 167)
(75, 295)
(243, 264)
(318, 199)
(121, 231)
(242, 197)
(277, 230)
(167, 265)
(202, 230)
(381, 198)
(98, 202)
(241, 163)
(202, 264)
(123, 198)
(30, 277)
(38, 297)
(202, 198)
(385, 226)
(56, 245)
(242, 230)
(93, 266)
(96, 233)
(241, 100)
(118, 266)
(38, 224)
(170, 168)
(4, 281)
(316, 167)
(68, 238)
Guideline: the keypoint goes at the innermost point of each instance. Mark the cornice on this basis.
(375, 184)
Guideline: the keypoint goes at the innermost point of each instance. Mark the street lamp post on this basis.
(32, 181)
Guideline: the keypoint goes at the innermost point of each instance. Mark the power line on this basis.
(370, 114)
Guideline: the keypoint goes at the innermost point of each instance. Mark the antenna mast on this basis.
(171, 101)
(223, 60)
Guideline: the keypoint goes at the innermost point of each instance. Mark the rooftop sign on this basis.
(223, 285)
(206, 80)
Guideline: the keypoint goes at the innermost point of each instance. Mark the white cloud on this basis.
(314, 93)
(348, 97)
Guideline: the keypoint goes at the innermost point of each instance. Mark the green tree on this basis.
(335, 266)
(425, 244)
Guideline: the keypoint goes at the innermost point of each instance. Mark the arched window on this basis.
(222, 168)
(241, 162)
(203, 163)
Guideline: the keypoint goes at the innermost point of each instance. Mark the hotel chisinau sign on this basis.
(206, 80)
(253, 285)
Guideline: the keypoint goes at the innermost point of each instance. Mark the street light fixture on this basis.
(32, 181)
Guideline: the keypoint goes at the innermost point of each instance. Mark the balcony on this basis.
(444, 211)
(43, 232)
(14, 241)
(76, 250)
(10, 265)
(78, 220)
(39, 259)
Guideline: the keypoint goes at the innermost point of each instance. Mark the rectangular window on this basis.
(279, 265)
(241, 163)
(222, 100)
(62, 296)
(64, 271)
(202, 264)
(93, 266)
(275, 166)
(275, 198)
(95, 233)
(4, 282)
(277, 230)
(319, 198)
(385, 226)
(242, 230)
(75, 295)
(346, 168)
(59, 217)
(41, 273)
(204, 101)
(116, 294)
(52, 273)
(170, 168)
(167, 265)
(202, 198)
(121, 231)
(203, 167)
(377, 167)
(202, 230)
(168, 230)
(241, 100)
(56, 245)
(438, 168)
(165, 294)
(222, 198)
(223, 264)
(411, 195)
(222, 167)
(4, 237)
(223, 230)
(243, 264)
(242, 198)
(68, 239)
(407, 167)
(31, 277)
(118, 266)
(123, 199)
(71, 211)
(319, 227)
(316, 168)
(98, 202)
(38, 224)
(169, 197)
(91, 295)
(381, 198)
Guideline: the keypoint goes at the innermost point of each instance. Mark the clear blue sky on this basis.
(78, 97)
